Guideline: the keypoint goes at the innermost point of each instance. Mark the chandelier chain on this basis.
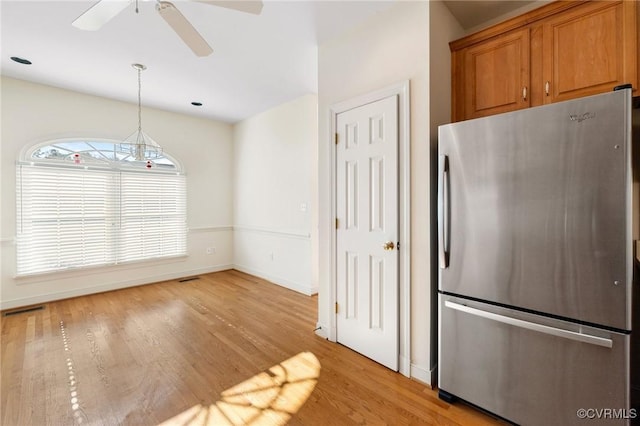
(139, 101)
(141, 146)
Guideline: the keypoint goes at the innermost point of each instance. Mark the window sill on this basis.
(93, 270)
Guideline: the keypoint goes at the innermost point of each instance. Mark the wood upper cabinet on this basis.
(564, 50)
(496, 75)
(589, 50)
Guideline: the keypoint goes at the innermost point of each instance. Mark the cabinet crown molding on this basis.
(517, 22)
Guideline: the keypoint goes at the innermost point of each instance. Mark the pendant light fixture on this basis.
(139, 144)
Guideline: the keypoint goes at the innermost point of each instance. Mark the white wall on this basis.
(33, 113)
(272, 204)
(388, 48)
(498, 19)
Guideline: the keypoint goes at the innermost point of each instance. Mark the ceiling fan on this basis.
(105, 10)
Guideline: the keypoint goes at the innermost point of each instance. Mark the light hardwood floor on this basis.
(227, 348)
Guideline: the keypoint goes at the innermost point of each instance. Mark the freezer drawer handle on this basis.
(580, 337)
(443, 211)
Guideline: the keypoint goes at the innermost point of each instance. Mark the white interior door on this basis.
(367, 230)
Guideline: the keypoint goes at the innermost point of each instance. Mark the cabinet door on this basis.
(496, 75)
(589, 49)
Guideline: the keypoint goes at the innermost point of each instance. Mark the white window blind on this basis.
(79, 217)
(64, 218)
(152, 220)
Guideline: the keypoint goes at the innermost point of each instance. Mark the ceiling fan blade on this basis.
(249, 6)
(99, 14)
(183, 28)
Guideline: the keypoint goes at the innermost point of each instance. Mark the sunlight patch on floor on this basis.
(268, 398)
(74, 399)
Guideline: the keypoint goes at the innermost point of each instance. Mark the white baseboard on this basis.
(404, 365)
(322, 331)
(50, 297)
(277, 280)
(421, 374)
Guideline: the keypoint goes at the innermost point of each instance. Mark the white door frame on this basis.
(404, 197)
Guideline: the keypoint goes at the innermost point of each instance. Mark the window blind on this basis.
(79, 217)
(153, 216)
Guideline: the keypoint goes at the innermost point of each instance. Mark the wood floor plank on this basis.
(227, 348)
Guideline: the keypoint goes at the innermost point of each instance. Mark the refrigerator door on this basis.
(532, 370)
(535, 209)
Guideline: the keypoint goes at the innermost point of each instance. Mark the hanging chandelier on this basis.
(139, 144)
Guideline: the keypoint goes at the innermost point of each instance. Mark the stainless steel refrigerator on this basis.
(538, 224)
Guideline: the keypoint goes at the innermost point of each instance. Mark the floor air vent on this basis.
(184, 280)
(23, 310)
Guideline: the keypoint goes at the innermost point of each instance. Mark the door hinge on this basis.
(336, 139)
(336, 307)
(337, 223)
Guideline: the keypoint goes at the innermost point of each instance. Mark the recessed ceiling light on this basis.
(21, 60)
(196, 103)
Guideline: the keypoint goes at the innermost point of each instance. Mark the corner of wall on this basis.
(274, 150)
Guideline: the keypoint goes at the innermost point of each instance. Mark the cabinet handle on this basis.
(546, 88)
(524, 93)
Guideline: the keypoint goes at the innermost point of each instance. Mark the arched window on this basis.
(86, 203)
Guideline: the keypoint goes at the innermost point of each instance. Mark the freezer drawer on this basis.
(530, 369)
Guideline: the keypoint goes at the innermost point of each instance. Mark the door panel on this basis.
(367, 212)
(351, 283)
(528, 374)
(351, 190)
(539, 203)
(377, 280)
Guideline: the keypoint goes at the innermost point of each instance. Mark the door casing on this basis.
(404, 208)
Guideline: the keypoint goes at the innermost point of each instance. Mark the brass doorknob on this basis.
(389, 245)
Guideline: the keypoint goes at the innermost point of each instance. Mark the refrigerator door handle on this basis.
(443, 210)
(573, 335)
